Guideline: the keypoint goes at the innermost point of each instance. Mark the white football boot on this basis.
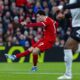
(65, 77)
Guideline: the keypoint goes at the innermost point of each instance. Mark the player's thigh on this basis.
(45, 45)
(37, 43)
(42, 45)
(36, 48)
(71, 44)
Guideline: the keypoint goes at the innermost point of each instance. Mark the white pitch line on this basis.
(36, 73)
(42, 73)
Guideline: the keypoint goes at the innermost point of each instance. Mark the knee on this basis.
(31, 49)
(67, 46)
(35, 51)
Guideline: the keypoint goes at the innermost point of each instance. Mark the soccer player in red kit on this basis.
(46, 42)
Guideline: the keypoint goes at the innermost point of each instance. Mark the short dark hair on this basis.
(41, 12)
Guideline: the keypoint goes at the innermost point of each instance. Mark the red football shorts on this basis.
(44, 44)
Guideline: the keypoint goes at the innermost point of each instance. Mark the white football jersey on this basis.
(75, 15)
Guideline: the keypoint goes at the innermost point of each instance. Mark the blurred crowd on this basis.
(13, 13)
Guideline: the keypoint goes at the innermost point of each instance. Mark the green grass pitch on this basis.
(46, 71)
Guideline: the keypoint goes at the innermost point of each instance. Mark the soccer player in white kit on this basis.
(72, 43)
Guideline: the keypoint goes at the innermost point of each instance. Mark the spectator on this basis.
(15, 41)
(37, 6)
(1, 42)
(22, 40)
(15, 14)
(9, 40)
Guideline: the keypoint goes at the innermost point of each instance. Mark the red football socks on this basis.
(35, 59)
(23, 54)
(35, 56)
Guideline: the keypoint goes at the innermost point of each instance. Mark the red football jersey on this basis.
(49, 29)
(49, 32)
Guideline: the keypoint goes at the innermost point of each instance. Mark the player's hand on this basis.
(66, 11)
(60, 15)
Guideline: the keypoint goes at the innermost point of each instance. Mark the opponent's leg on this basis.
(70, 47)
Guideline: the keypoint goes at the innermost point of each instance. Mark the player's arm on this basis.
(41, 24)
(70, 6)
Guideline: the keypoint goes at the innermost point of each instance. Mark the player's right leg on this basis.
(13, 57)
(70, 47)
